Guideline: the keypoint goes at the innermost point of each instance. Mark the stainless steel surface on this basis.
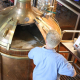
(69, 46)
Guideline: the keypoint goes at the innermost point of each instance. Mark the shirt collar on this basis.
(48, 50)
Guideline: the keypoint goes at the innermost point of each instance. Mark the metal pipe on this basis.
(63, 51)
(70, 61)
(0, 67)
(68, 7)
(15, 1)
(77, 66)
(73, 3)
(52, 1)
(71, 31)
(34, 3)
(76, 26)
(59, 47)
(67, 41)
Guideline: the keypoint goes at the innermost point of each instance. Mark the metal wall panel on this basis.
(16, 69)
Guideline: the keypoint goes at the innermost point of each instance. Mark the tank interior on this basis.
(27, 37)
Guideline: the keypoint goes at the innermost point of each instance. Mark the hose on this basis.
(50, 11)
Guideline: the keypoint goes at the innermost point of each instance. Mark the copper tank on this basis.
(14, 63)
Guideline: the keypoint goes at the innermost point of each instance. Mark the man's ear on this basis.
(45, 41)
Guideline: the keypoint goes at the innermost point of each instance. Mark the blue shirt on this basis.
(49, 64)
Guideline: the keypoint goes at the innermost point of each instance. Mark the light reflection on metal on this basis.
(22, 13)
(19, 11)
(4, 40)
(5, 33)
(11, 31)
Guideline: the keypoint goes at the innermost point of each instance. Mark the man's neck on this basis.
(46, 47)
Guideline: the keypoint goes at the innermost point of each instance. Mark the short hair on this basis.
(53, 38)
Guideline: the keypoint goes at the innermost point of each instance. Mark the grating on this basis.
(70, 78)
(77, 77)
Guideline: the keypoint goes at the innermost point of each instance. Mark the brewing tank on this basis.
(22, 27)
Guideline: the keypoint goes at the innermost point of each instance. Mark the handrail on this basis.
(68, 7)
(71, 31)
(73, 3)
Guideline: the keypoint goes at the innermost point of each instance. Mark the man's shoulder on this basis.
(60, 58)
(57, 56)
(33, 52)
(36, 49)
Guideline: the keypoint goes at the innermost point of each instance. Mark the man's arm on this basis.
(30, 54)
(74, 73)
(65, 68)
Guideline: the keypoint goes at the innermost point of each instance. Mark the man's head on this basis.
(52, 39)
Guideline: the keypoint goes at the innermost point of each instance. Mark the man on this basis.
(50, 64)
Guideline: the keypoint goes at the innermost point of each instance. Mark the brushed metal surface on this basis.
(17, 69)
(10, 17)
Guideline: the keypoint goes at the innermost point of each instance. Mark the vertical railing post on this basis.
(1, 67)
